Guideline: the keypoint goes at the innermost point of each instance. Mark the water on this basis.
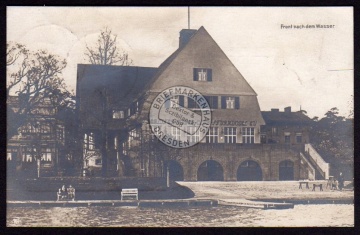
(224, 216)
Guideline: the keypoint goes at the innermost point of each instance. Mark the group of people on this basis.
(65, 194)
(337, 183)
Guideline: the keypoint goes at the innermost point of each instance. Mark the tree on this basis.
(106, 52)
(32, 77)
(332, 137)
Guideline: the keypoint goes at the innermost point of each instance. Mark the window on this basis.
(230, 135)
(230, 102)
(248, 135)
(274, 130)
(46, 155)
(263, 138)
(298, 138)
(60, 133)
(287, 137)
(212, 135)
(195, 137)
(129, 112)
(118, 114)
(45, 128)
(132, 135)
(8, 156)
(89, 141)
(173, 101)
(124, 148)
(201, 74)
(213, 101)
(98, 162)
(192, 104)
(175, 132)
(115, 142)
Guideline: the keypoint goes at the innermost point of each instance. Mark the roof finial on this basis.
(188, 17)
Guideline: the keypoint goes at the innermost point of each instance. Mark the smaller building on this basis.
(285, 127)
(42, 136)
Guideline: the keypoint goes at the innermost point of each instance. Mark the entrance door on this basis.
(286, 170)
(210, 170)
(249, 171)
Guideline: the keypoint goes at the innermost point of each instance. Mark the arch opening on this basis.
(210, 170)
(176, 172)
(249, 171)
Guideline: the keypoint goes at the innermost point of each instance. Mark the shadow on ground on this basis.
(17, 191)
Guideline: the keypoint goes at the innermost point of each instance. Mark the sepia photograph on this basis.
(179, 116)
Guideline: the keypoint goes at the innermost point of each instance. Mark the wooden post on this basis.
(167, 176)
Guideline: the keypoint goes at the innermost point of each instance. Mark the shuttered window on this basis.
(230, 102)
(213, 101)
(202, 74)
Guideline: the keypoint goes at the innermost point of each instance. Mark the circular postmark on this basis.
(176, 125)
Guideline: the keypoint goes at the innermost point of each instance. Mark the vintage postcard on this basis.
(216, 116)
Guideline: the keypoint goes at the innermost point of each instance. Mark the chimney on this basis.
(185, 35)
(287, 109)
(274, 110)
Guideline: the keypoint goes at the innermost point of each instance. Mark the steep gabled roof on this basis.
(203, 52)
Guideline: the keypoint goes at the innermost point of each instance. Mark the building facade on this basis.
(239, 145)
(41, 137)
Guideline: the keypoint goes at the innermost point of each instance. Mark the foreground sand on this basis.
(264, 190)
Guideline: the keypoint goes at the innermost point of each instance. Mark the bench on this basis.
(317, 185)
(303, 182)
(130, 192)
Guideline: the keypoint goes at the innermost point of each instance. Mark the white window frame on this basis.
(297, 136)
(89, 141)
(46, 155)
(248, 135)
(195, 137)
(212, 136)
(175, 133)
(124, 147)
(8, 156)
(202, 75)
(118, 114)
(230, 102)
(132, 135)
(230, 135)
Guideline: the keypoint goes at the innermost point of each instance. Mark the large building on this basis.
(242, 142)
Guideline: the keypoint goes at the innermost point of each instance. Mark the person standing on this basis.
(341, 181)
(64, 193)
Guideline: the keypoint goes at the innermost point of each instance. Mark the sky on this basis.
(311, 68)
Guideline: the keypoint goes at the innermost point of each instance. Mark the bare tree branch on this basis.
(105, 52)
(36, 78)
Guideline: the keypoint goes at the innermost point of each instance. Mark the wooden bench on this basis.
(303, 182)
(130, 192)
(317, 185)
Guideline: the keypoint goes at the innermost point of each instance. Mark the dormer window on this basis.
(202, 74)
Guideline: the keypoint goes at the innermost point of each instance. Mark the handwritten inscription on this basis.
(307, 26)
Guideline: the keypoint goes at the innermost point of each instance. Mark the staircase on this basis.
(321, 167)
